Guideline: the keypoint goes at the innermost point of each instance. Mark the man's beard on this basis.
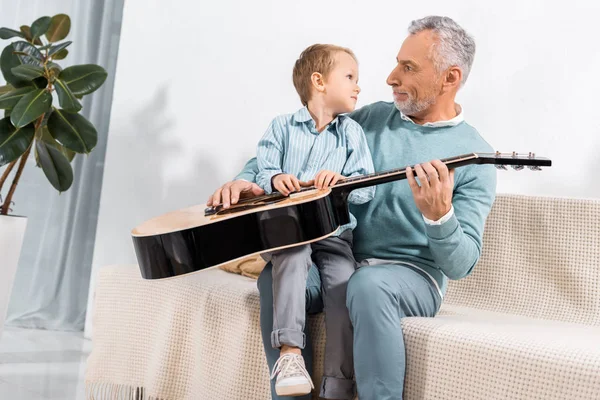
(412, 107)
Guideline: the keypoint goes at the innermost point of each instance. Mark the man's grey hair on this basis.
(455, 46)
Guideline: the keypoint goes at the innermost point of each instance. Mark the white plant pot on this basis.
(12, 231)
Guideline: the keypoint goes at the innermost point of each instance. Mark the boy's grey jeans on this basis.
(334, 260)
(378, 297)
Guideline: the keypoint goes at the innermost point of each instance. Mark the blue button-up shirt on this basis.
(292, 145)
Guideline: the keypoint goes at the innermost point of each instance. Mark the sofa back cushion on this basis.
(541, 259)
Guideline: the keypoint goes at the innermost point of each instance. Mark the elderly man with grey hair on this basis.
(415, 234)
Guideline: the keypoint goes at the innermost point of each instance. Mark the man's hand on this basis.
(285, 183)
(231, 192)
(326, 178)
(434, 196)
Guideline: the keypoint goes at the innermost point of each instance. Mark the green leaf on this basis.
(44, 134)
(13, 141)
(6, 33)
(7, 113)
(46, 47)
(28, 72)
(10, 99)
(6, 89)
(61, 55)
(34, 57)
(59, 28)
(66, 98)
(83, 79)
(40, 26)
(28, 36)
(37, 157)
(69, 154)
(55, 165)
(54, 67)
(73, 131)
(8, 61)
(59, 47)
(30, 107)
(40, 83)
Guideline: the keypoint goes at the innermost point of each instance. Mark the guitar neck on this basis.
(350, 184)
(345, 186)
(500, 160)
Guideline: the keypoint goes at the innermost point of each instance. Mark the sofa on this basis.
(524, 325)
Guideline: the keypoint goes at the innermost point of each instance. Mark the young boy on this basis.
(317, 143)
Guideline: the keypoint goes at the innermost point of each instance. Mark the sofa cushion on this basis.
(541, 259)
(464, 353)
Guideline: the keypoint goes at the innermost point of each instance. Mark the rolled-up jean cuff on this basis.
(288, 337)
(337, 388)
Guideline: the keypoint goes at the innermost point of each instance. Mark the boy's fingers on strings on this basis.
(289, 184)
(296, 183)
(335, 179)
(328, 180)
(321, 179)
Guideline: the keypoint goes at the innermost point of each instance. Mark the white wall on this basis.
(198, 82)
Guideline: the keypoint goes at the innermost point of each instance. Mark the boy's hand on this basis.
(286, 184)
(326, 178)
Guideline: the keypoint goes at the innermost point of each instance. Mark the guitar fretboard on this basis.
(398, 173)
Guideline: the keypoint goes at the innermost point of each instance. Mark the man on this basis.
(414, 235)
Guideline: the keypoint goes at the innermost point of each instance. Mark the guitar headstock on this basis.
(517, 161)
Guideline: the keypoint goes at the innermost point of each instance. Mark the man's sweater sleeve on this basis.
(249, 171)
(456, 244)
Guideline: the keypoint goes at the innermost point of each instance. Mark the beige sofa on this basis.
(524, 325)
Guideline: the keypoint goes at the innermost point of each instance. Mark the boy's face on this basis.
(341, 85)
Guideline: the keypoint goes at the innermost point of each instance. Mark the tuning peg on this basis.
(531, 155)
(517, 167)
(501, 166)
(534, 168)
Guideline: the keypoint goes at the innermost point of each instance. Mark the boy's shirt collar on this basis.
(303, 116)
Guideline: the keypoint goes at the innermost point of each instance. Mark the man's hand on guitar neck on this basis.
(231, 192)
(433, 196)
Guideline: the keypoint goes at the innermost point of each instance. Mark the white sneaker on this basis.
(292, 377)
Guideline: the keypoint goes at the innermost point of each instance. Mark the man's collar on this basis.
(460, 117)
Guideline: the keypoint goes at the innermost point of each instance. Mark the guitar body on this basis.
(187, 240)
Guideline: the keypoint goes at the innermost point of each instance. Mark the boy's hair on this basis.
(316, 58)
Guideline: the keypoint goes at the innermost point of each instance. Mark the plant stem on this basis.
(5, 174)
(13, 186)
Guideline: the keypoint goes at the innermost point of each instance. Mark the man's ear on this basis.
(453, 78)
(318, 82)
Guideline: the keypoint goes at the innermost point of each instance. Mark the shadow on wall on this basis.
(137, 152)
(136, 189)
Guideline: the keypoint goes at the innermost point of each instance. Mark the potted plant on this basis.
(40, 104)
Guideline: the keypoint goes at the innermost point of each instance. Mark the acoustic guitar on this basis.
(195, 238)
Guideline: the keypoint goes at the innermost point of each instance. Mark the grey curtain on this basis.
(51, 286)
